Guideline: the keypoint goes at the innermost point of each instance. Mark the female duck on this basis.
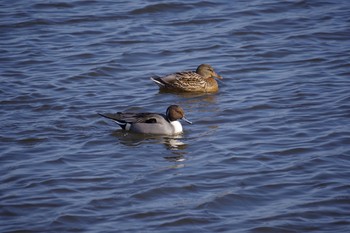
(151, 123)
(203, 80)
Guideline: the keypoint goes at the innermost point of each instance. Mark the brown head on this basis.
(175, 112)
(207, 71)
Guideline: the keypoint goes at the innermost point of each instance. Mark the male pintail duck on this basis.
(203, 80)
(151, 123)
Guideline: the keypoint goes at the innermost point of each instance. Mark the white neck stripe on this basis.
(177, 126)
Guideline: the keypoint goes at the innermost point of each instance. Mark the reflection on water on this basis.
(268, 153)
(199, 97)
(179, 158)
(174, 143)
(171, 143)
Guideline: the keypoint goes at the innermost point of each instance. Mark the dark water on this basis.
(269, 153)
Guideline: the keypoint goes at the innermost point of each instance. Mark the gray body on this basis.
(145, 123)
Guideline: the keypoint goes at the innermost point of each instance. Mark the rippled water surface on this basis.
(269, 153)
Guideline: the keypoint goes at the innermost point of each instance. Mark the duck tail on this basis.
(124, 125)
(158, 81)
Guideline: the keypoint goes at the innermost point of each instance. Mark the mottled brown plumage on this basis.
(203, 80)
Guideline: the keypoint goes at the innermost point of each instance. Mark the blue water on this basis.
(270, 152)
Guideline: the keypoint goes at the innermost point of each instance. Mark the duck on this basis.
(151, 123)
(202, 80)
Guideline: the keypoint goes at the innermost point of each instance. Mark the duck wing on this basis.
(128, 117)
(186, 80)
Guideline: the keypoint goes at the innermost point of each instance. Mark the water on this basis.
(269, 153)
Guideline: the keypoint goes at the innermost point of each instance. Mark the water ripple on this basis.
(267, 153)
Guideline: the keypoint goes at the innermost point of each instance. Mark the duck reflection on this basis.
(192, 96)
(174, 144)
